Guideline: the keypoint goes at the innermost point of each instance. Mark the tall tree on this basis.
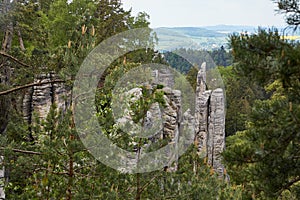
(221, 57)
(265, 157)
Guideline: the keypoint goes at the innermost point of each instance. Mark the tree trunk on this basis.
(22, 47)
(71, 172)
(8, 35)
(138, 187)
(5, 74)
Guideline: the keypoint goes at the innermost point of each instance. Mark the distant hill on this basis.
(195, 31)
(189, 38)
(206, 37)
(231, 29)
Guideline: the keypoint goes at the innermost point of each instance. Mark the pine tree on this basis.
(46, 159)
(264, 158)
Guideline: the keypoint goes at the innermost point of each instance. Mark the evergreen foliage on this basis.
(264, 158)
(45, 159)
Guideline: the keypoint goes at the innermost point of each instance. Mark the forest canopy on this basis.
(48, 40)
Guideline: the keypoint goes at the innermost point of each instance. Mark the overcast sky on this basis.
(183, 13)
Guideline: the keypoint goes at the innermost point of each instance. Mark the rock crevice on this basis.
(210, 122)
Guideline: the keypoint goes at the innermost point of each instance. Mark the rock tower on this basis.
(207, 121)
(210, 122)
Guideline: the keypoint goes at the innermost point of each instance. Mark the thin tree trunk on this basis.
(8, 35)
(71, 172)
(138, 193)
(5, 79)
(5, 72)
(22, 47)
(138, 175)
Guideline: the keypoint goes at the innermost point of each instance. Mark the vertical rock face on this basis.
(164, 76)
(42, 96)
(202, 115)
(207, 120)
(201, 80)
(27, 105)
(61, 96)
(210, 122)
(216, 131)
(39, 99)
(171, 113)
(202, 112)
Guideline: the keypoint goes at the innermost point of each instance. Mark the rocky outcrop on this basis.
(39, 99)
(216, 131)
(207, 121)
(202, 115)
(164, 76)
(210, 122)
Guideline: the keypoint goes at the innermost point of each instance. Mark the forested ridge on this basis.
(45, 158)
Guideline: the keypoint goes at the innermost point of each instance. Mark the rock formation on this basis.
(39, 99)
(210, 122)
(207, 121)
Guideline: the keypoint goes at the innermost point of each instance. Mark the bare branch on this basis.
(14, 59)
(290, 184)
(29, 85)
(23, 151)
(147, 184)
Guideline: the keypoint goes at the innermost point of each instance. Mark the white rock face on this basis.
(210, 122)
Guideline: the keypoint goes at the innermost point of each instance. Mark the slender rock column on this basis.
(201, 111)
(216, 132)
(210, 122)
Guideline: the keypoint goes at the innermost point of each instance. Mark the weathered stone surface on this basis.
(201, 119)
(170, 118)
(27, 105)
(40, 98)
(201, 80)
(210, 122)
(163, 121)
(207, 121)
(216, 132)
(61, 96)
(174, 100)
(188, 126)
(153, 125)
(164, 76)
